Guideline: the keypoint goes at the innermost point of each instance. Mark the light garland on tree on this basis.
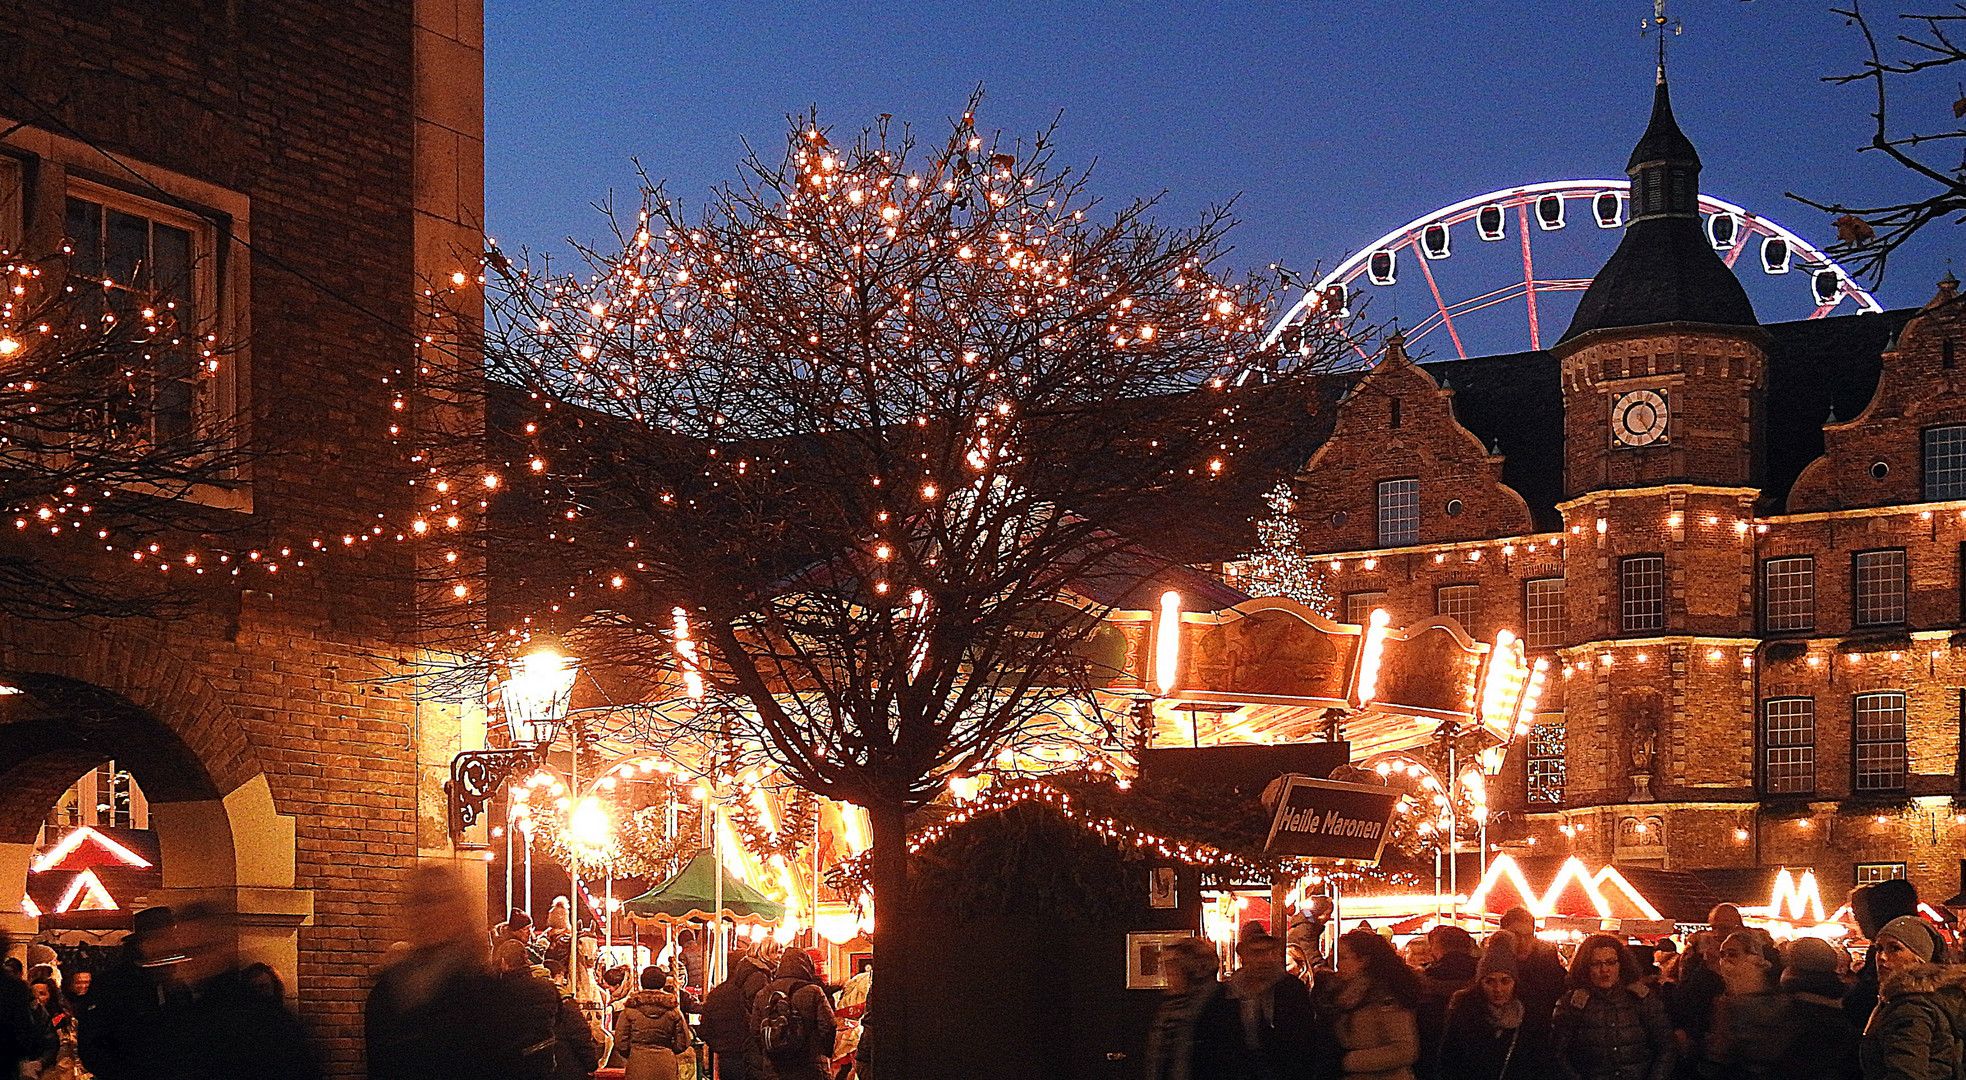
(1281, 566)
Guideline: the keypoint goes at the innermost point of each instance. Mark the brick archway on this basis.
(87, 697)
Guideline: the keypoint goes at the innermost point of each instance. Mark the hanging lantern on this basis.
(535, 696)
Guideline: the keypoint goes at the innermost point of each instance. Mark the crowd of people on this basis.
(1733, 1005)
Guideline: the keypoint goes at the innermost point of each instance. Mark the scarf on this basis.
(1508, 1016)
(1171, 1043)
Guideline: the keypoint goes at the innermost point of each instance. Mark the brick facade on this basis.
(1666, 757)
(288, 779)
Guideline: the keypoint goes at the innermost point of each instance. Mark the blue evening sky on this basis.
(1332, 122)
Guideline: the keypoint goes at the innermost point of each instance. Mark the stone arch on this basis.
(86, 698)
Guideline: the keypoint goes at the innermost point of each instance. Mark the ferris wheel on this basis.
(1499, 272)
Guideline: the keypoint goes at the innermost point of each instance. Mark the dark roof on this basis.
(1662, 141)
(1515, 402)
(1664, 271)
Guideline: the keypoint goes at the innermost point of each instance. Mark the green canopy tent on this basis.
(691, 896)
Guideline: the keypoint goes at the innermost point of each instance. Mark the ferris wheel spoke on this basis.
(1528, 275)
(1434, 287)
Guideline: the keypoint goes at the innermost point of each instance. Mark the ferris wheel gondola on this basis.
(1376, 267)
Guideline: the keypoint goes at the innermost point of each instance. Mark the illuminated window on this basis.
(1359, 605)
(1458, 602)
(1542, 613)
(146, 251)
(1879, 730)
(1399, 512)
(1880, 588)
(1788, 593)
(1546, 775)
(1788, 746)
(1945, 462)
(1642, 593)
(1870, 873)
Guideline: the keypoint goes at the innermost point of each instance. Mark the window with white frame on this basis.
(148, 253)
(1870, 873)
(1788, 593)
(1642, 593)
(1359, 605)
(1788, 746)
(1542, 613)
(1458, 602)
(1879, 588)
(1879, 737)
(1945, 462)
(1545, 762)
(1399, 512)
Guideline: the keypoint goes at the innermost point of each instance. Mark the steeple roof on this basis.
(1665, 270)
(1662, 141)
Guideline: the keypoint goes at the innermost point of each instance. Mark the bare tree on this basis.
(1907, 73)
(107, 441)
(872, 431)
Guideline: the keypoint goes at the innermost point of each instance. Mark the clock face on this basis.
(1638, 418)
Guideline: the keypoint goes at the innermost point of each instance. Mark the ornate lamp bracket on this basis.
(476, 776)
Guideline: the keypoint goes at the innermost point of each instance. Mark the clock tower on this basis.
(1663, 369)
(1663, 372)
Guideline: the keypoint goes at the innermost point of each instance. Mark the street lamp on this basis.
(534, 697)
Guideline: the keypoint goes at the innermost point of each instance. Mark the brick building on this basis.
(1740, 545)
(316, 160)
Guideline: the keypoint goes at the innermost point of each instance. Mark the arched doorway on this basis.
(219, 837)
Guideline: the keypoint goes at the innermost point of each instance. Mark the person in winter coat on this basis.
(1915, 1033)
(1489, 1033)
(726, 1018)
(1752, 1025)
(796, 996)
(1872, 906)
(436, 1013)
(1197, 1033)
(1377, 994)
(125, 1026)
(652, 1030)
(1278, 1023)
(1608, 1026)
(1451, 971)
(1826, 1046)
(534, 1009)
(1539, 977)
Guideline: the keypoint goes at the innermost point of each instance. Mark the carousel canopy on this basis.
(691, 895)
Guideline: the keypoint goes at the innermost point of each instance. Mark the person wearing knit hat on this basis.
(1914, 1032)
(1489, 1034)
(1825, 1044)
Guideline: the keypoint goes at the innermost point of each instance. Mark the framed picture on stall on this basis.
(1163, 888)
(1144, 967)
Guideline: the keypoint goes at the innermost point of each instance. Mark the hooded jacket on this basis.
(652, 1031)
(1616, 1034)
(1872, 906)
(1916, 1030)
(799, 982)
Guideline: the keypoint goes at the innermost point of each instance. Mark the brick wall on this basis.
(1701, 676)
(305, 108)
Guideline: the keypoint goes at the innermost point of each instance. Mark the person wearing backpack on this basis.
(725, 1022)
(793, 1022)
(652, 1031)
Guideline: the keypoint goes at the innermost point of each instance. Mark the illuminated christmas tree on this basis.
(1281, 567)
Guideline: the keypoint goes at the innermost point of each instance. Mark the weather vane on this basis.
(1659, 24)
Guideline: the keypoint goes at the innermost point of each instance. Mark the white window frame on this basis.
(1404, 513)
(1377, 598)
(222, 265)
(1951, 453)
(1870, 607)
(1788, 593)
(1870, 873)
(1792, 749)
(1642, 613)
(1543, 616)
(1460, 601)
(1885, 770)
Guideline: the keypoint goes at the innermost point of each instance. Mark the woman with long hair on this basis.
(62, 1064)
(1377, 994)
(1608, 1024)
